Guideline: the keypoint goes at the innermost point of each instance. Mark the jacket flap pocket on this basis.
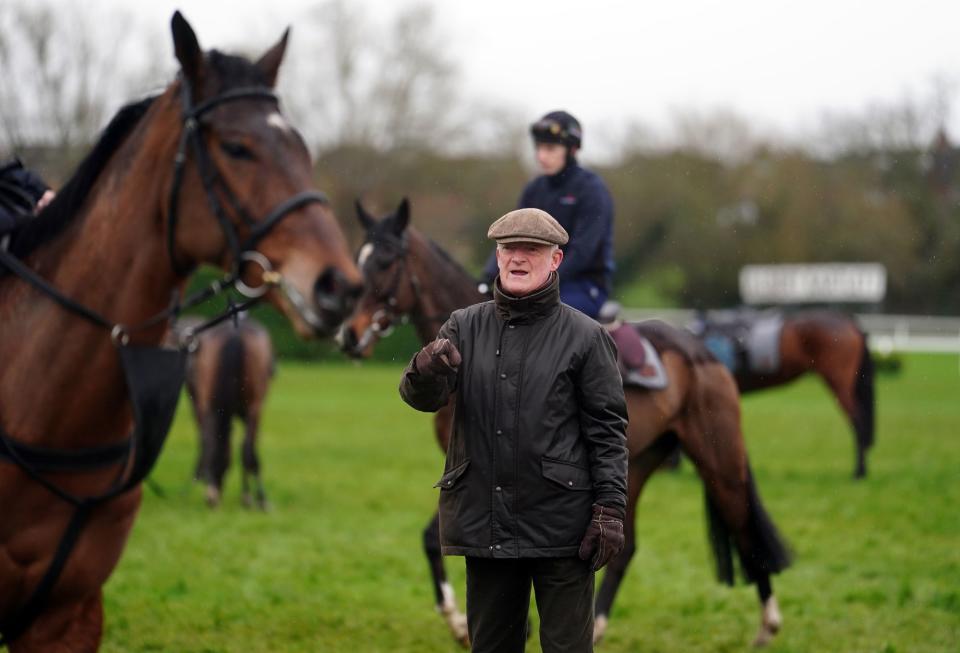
(450, 478)
(570, 476)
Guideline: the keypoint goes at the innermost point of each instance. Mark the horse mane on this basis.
(65, 206)
(445, 255)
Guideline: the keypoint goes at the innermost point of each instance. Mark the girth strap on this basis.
(44, 459)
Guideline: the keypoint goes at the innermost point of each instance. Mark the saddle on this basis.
(639, 362)
(744, 341)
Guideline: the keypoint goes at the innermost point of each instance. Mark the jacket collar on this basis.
(531, 307)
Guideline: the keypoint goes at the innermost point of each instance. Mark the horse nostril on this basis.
(326, 283)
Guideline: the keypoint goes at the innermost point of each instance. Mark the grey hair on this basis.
(553, 247)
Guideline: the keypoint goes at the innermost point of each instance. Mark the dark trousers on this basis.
(498, 599)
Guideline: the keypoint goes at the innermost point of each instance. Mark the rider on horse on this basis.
(581, 203)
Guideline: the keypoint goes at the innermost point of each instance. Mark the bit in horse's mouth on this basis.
(303, 310)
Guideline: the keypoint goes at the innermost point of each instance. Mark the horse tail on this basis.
(228, 379)
(768, 552)
(719, 536)
(864, 395)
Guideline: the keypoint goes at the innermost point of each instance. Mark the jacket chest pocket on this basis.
(451, 478)
(567, 475)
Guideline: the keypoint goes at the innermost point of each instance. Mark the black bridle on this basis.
(138, 453)
(387, 314)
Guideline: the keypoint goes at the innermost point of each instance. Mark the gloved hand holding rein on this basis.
(438, 358)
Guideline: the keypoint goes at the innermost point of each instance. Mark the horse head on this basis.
(388, 291)
(241, 194)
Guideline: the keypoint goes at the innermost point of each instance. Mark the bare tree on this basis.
(60, 75)
(360, 83)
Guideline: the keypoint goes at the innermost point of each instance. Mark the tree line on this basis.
(386, 119)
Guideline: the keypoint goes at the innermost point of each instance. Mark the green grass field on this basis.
(337, 565)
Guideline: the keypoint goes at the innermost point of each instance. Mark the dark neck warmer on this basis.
(568, 171)
(528, 308)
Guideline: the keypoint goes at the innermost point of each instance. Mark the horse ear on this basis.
(187, 48)
(269, 63)
(402, 216)
(366, 220)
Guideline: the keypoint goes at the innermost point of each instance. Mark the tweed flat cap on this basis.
(528, 226)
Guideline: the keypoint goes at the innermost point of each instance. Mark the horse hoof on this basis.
(456, 622)
(599, 628)
(247, 501)
(763, 638)
(264, 505)
(770, 623)
(213, 497)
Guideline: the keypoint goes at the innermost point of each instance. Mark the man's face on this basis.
(551, 157)
(525, 267)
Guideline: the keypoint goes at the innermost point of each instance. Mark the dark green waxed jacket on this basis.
(539, 427)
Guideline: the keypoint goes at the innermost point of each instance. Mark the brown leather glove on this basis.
(439, 358)
(604, 536)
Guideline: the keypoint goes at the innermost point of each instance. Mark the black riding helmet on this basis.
(557, 127)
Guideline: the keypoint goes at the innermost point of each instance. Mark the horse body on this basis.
(228, 376)
(699, 409)
(102, 242)
(832, 345)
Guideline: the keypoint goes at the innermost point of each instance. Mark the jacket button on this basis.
(499, 431)
(491, 548)
(497, 547)
(498, 352)
(512, 326)
(498, 488)
(569, 482)
(503, 376)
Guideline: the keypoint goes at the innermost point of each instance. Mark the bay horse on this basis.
(408, 275)
(228, 375)
(208, 171)
(832, 345)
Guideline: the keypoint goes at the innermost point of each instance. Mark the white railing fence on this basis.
(887, 333)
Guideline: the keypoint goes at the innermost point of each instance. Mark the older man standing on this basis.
(534, 487)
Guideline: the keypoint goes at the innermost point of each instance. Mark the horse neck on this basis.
(112, 259)
(444, 287)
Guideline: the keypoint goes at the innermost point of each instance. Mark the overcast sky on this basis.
(779, 63)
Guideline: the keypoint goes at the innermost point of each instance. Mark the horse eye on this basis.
(237, 150)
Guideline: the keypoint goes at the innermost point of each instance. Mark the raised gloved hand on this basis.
(439, 358)
(604, 536)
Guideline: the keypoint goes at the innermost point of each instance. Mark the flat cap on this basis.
(528, 226)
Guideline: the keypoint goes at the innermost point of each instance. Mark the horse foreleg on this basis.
(251, 463)
(638, 473)
(72, 628)
(770, 618)
(442, 589)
